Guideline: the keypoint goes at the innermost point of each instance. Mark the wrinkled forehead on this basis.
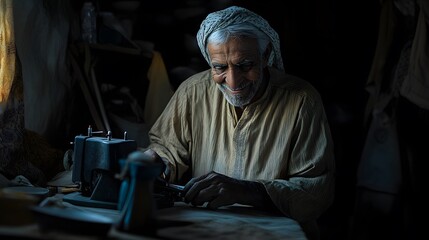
(234, 44)
(234, 51)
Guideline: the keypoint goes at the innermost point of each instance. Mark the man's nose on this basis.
(233, 78)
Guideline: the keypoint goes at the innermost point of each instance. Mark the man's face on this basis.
(237, 69)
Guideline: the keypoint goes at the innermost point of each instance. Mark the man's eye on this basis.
(245, 67)
(219, 69)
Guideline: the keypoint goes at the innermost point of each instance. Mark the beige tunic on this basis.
(282, 140)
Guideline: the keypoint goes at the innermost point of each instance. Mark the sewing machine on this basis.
(96, 160)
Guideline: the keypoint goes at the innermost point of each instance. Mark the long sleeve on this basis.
(308, 189)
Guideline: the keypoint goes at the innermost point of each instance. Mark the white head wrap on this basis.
(232, 15)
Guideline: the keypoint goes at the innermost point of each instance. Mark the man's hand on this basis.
(147, 155)
(219, 190)
(143, 155)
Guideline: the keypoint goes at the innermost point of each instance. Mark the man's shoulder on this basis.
(284, 84)
(201, 79)
(289, 82)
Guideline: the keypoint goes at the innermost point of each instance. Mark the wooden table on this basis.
(233, 222)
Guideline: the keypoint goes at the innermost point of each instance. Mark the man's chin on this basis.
(236, 103)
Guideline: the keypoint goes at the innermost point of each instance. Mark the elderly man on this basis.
(244, 131)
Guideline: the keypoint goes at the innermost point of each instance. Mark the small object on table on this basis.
(14, 208)
(136, 200)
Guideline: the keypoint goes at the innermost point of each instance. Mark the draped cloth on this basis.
(235, 15)
(11, 91)
(7, 51)
(416, 85)
(22, 152)
(11, 97)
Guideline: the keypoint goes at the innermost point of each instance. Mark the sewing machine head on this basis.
(96, 160)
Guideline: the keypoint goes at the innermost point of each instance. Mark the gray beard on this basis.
(241, 100)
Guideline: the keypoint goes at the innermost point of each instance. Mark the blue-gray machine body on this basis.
(96, 160)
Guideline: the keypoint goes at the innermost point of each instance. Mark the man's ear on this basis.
(266, 54)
